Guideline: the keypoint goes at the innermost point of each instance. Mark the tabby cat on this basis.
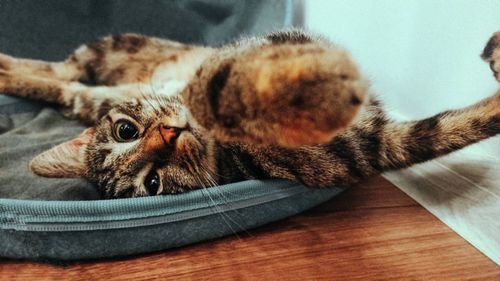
(166, 117)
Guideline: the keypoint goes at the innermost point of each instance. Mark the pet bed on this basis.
(63, 219)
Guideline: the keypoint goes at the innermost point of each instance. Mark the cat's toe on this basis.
(5, 62)
(4, 75)
(491, 54)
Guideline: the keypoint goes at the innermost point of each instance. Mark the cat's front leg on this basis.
(64, 71)
(287, 93)
(85, 103)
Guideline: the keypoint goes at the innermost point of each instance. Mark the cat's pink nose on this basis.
(169, 134)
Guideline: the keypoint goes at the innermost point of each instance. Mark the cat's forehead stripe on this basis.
(132, 111)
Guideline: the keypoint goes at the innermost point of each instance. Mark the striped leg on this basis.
(414, 142)
(364, 150)
(64, 71)
(85, 103)
(112, 60)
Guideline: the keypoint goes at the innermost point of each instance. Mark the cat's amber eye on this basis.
(124, 131)
(152, 183)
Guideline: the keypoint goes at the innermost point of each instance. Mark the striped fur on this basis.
(287, 105)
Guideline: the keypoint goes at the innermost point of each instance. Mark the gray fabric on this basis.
(25, 132)
(78, 245)
(52, 29)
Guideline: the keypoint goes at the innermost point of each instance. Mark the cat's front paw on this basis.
(307, 97)
(288, 95)
(491, 54)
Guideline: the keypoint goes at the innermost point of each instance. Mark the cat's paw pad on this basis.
(491, 54)
(288, 95)
(311, 94)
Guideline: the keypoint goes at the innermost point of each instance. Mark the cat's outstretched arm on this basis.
(87, 104)
(286, 88)
(372, 145)
(369, 147)
(102, 73)
(114, 60)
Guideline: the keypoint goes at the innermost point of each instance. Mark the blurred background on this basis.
(422, 56)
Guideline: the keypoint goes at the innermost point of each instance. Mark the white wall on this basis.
(422, 56)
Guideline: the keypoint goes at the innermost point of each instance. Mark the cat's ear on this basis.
(66, 160)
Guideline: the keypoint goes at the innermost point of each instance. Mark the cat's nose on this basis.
(169, 134)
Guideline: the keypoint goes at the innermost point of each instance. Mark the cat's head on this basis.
(140, 147)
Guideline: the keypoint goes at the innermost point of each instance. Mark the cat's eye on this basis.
(124, 131)
(152, 183)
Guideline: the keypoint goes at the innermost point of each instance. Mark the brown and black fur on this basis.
(287, 105)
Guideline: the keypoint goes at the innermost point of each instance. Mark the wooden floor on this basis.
(372, 231)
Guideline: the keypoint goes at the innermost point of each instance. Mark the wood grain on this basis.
(372, 231)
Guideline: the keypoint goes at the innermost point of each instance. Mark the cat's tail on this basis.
(407, 143)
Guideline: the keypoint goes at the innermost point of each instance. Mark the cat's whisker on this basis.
(144, 94)
(212, 183)
(147, 98)
(207, 175)
(219, 211)
(154, 97)
(217, 191)
(155, 94)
